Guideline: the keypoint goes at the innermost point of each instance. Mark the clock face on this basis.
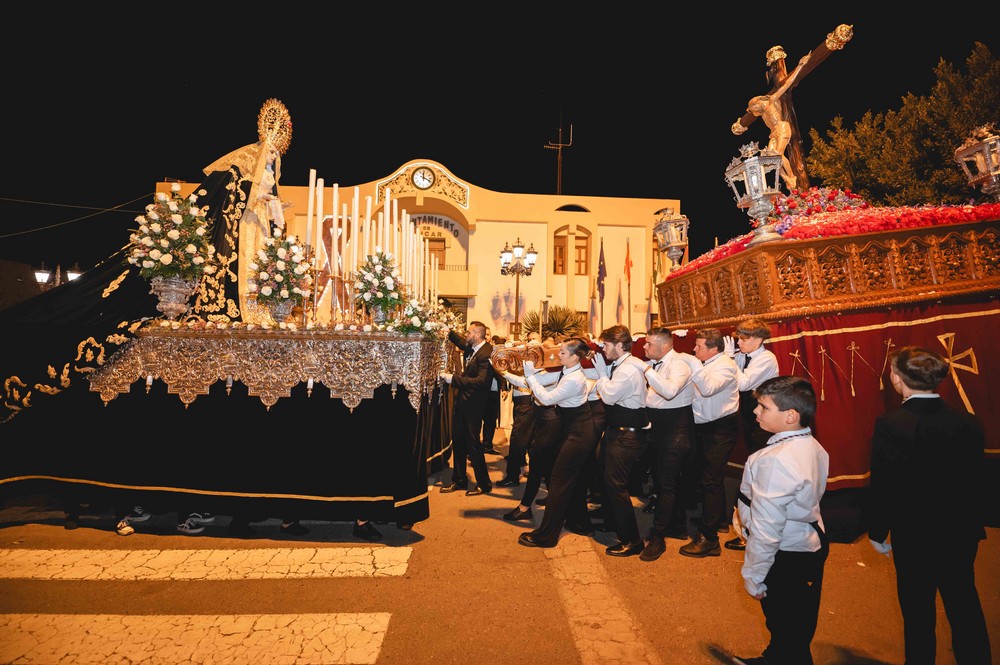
(423, 178)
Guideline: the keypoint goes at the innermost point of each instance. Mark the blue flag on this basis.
(602, 272)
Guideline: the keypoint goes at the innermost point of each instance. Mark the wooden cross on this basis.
(776, 75)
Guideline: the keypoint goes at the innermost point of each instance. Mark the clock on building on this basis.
(423, 178)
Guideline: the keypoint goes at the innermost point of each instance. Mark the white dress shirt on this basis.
(716, 394)
(763, 366)
(669, 385)
(567, 392)
(519, 385)
(627, 385)
(784, 481)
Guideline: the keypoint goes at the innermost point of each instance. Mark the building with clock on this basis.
(466, 227)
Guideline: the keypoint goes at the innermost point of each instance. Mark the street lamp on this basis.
(515, 261)
(42, 276)
(671, 234)
(74, 272)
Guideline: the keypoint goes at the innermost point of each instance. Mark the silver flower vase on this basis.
(173, 293)
(378, 314)
(280, 310)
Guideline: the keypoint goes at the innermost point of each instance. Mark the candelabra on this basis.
(515, 261)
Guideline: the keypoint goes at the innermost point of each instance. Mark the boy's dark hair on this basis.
(753, 328)
(920, 368)
(713, 338)
(790, 392)
(617, 335)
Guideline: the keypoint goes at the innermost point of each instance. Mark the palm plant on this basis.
(563, 322)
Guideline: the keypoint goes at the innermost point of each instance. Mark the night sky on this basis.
(100, 107)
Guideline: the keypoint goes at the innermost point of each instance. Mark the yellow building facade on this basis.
(466, 227)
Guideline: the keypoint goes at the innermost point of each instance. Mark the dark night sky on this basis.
(99, 108)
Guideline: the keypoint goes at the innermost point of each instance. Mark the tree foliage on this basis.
(907, 156)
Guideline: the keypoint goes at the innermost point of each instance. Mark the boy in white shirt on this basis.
(779, 517)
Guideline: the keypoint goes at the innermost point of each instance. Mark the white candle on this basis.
(368, 216)
(353, 265)
(319, 215)
(319, 225)
(364, 236)
(336, 205)
(309, 203)
(334, 241)
(378, 233)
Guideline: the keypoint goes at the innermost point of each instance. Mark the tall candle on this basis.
(336, 205)
(309, 202)
(363, 229)
(319, 215)
(368, 216)
(378, 233)
(334, 240)
(353, 265)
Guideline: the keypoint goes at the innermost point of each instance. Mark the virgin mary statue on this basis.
(64, 334)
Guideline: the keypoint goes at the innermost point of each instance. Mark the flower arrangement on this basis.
(282, 271)
(851, 221)
(172, 239)
(803, 203)
(377, 282)
(415, 316)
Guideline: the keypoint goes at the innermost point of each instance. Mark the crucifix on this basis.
(776, 106)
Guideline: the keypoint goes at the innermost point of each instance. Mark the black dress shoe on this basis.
(453, 487)
(587, 531)
(625, 549)
(529, 539)
(701, 547)
(654, 548)
(482, 489)
(517, 515)
(509, 482)
(736, 544)
(367, 531)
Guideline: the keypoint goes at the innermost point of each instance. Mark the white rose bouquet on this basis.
(378, 282)
(281, 271)
(172, 239)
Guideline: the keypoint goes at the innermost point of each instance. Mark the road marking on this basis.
(205, 564)
(43, 639)
(603, 629)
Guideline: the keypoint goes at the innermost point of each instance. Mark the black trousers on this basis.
(791, 606)
(579, 438)
(925, 566)
(714, 442)
(670, 439)
(546, 437)
(490, 418)
(466, 424)
(522, 425)
(621, 450)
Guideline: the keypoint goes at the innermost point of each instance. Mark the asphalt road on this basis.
(456, 589)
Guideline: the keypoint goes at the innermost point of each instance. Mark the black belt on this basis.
(628, 429)
(519, 399)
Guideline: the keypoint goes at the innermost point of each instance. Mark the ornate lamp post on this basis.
(671, 234)
(517, 262)
(982, 150)
(755, 181)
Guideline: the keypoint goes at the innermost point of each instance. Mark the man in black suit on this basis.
(927, 489)
(473, 385)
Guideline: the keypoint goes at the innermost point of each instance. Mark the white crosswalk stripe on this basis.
(203, 564)
(97, 639)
